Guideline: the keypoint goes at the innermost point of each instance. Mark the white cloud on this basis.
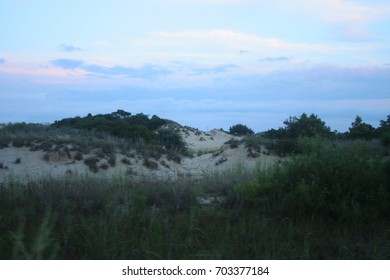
(349, 17)
(346, 11)
(343, 11)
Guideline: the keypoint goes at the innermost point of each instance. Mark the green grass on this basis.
(329, 202)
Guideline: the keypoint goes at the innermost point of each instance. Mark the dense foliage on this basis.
(119, 123)
(133, 127)
(361, 130)
(285, 139)
(240, 130)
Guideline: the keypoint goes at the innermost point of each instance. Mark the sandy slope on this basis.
(210, 154)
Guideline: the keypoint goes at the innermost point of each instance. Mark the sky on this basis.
(204, 63)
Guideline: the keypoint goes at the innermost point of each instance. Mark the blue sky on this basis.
(204, 63)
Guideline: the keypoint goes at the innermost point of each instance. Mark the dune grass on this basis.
(329, 202)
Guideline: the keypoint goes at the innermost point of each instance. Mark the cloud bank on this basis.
(147, 71)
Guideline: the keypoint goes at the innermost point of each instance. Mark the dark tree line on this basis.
(125, 125)
(285, 139)
(313, 126)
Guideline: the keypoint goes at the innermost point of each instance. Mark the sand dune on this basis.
(209, 153)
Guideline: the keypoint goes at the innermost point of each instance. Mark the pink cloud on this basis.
(46, 75)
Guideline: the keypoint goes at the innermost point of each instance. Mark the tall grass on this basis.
(330, 202)
(333, 199)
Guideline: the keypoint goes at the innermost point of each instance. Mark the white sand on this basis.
(210, 154)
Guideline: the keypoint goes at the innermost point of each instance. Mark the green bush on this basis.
(126, 161)
(18, 142)
(100, 154)
(150, 164)
(172, 140)
(91, 162)
(233, 144)
(112, 160)
(104, 166)
(385, 139)
(119, 123)
(343, 184)
(78, 156)
(240, 130)
(4, 141)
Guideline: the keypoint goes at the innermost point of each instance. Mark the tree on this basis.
(384, 131)
(121, 114)
(361, 130)
(240, 130)
(156, 122)
(305, 126)
(384, 125)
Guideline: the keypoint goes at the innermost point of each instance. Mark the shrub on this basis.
(172, 140)
(341, 184)
(45, 146)
(233, 143)
(126, 161)
(18, 142)
(112, 160)
(108, 149)
(240, 130)
(282, 147)
(91, 162)
(100, 154)
(78, 156)
(174, 157)
(150, 164)
(119, 123)
(104, 166)
(4, 141)
(385, 139)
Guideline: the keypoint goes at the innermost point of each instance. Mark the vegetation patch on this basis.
(126, 161)
(91, 162)
(240, 130)
(112, 160)
(104, 166)
(151, 164)
(233, 143)
(78, 156)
